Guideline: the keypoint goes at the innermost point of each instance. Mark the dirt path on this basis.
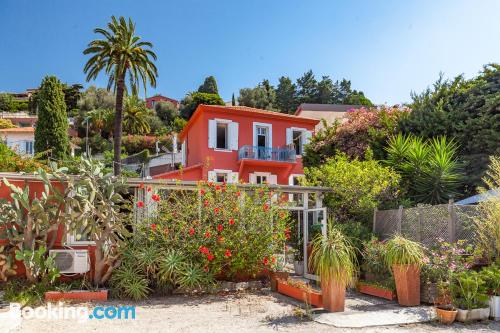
(243, 312)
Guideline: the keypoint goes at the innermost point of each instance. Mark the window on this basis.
(221, 136)
(297, 141)
(28, 147)
(221, 177)
(261, 179)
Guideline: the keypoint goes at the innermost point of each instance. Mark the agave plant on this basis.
(402, 251)
(171, 267)
(333, 257)
(128, 281)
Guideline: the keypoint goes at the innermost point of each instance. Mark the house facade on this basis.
(19, 139)
(151, 101)
(235, 143)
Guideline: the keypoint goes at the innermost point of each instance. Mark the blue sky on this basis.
(386, 48)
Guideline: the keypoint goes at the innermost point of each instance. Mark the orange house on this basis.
(236, 143)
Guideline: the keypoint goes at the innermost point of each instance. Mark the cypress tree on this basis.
(233, 101)
(51, 131)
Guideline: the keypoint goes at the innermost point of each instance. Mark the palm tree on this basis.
(122, 56)
(134, 119)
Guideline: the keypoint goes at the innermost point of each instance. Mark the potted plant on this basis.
(333, 258)
(301, 291)
(491, 277)
(468, 291)
(298, 263)
(405, 258)
(445, 311)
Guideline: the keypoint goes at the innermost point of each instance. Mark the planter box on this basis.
(474, 314)
(79, 295)
(495, 307)
(275, 277)
(376, 291)
(302, 295)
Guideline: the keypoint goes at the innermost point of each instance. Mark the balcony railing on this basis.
(284, 154)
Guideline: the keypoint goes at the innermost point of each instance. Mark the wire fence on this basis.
(427, 224)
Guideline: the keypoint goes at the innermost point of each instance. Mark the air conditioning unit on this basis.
(71, 261)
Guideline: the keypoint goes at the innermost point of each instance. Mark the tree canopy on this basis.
(192, 100)
(209, 86)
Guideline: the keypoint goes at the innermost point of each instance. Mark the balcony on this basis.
(274, 154)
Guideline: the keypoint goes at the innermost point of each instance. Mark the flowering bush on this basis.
(136, 143)
(374, 265)
(444, 259)
(222, 229)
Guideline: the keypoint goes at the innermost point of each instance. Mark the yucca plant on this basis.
(333, 258)
(171, 267)
(402, 251)
(128, 281)
(192, 277)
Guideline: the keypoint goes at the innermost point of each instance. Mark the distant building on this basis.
(20, 119)
(20, 139)
(329, 112)
(151, 101)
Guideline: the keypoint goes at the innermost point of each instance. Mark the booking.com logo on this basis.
(80, 313)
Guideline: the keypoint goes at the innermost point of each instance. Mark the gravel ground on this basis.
(236, 312)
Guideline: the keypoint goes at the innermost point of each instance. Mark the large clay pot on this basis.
(407, 279)
(333, 295)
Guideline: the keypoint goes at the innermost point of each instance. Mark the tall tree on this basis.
(167, 112)
(121, 54)
(51, 132)
(263, 96)
(285, 95)
(233, 100)
(72, 94)
(325, 92)
(307, 88)
(209, 86)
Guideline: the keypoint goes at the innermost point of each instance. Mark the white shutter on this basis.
(252, 179)
(273, 179)
(307, 137)
(233, 135)
(289, 136)
(183, 153)
(233, 177)
(212, 176)
(212, 133)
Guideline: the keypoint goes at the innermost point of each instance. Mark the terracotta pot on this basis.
(376, 291)
(310, 297)
(79, 295)
(407, 279)
(333, 295)
(446, 316)
(275, 276)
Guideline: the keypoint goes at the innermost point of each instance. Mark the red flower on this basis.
(220, 227)
(265, 261)
(231, 221)
(210, 184)
(216, 210)
(191, 231)
(238, 193)
(227, 254)
(205, 269)
(220, 239)
(273, 259)
(204, 250)
(166, 231)
(140, 204)
(155, 197)
(266, 207)
(207, 234)
(205, 203)
(210, 257)
(153, 227)
(287, 236)
(202, 191)
(217, 187)
(141, 185)
(149, 188)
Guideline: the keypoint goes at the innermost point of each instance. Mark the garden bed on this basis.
(301, 292)
(376, 290)
(78, 295)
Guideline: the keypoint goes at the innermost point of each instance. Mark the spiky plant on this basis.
(402, 251)
(334, 257)
(128, 281)
(171, 267)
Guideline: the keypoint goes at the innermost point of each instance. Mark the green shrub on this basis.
(373, 264)
(357, 187)
(402, 251)
(468, 290)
